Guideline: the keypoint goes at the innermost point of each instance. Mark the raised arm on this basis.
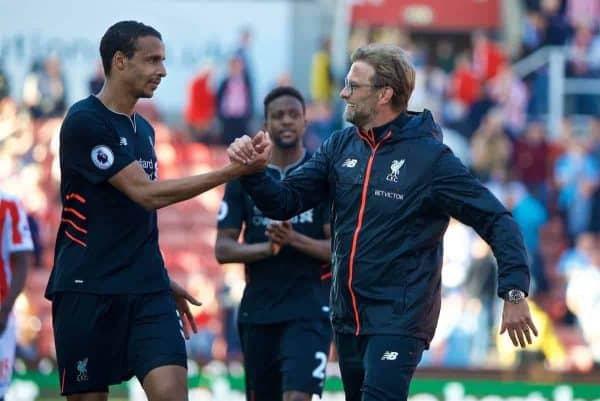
(303, 189)
(134, 182)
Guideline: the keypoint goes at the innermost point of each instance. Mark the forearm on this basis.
(508, 247)
(167, 192)
(275, 199)
(234, 252)
(317, 248)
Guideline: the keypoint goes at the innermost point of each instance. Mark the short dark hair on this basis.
(283, 91)
(122, 37)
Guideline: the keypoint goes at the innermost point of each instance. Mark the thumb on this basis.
(258, 138)
(264, 145)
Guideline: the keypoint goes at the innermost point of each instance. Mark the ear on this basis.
(385, 96)
(119, 60)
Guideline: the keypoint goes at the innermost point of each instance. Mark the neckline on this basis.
(130, 118)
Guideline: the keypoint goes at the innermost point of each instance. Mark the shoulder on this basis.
(338, 139)
(83, 115)
(143, 124)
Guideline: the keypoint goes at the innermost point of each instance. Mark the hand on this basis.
(516, 319)
(282, 233)
(182, 300)
(252, 152)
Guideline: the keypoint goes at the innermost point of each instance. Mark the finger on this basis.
(520, 336)
(527, 334)
(191, 299)
(184, 328)
(258, 138)
(235, 157)
(191, 320)
(263, 144)
(532, 325)
(277, 238)
(238, 152)
(249, 151)
(241, 145)
(513, 338)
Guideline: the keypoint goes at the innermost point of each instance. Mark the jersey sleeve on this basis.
(231, 212)
(16, 228)
(90, 147)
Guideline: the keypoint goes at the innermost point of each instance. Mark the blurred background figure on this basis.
(234, 102)
(44, 91)
(199, 111)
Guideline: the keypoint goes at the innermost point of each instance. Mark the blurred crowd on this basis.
(493, 119)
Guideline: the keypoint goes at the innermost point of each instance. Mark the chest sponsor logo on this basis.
(102, 157)
(395, 170)
(350, 163)
(150, 167)
(389, 194)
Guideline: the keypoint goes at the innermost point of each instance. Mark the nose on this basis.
(345, 93)
(162, 70)
(287, 119)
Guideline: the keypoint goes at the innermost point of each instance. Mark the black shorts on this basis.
(288, 356)
(377, 367)
(106, 339)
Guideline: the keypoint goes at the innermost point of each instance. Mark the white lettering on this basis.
(389, 195)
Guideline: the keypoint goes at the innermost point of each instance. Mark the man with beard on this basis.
(114, 309)
(393, 186)
(283, 318)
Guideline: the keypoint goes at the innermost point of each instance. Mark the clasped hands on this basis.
(252, 153)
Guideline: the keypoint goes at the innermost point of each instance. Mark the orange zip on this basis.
(361, 212)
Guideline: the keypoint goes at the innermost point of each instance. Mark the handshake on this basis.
(253, 154)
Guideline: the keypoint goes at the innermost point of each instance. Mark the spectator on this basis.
(530, 160)
(234, 102)
(200, 107)
(44, 90)
(321, 77)
(491, 147)
(577, 176)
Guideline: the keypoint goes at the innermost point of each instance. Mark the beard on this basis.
(359, 115)
(281, 144)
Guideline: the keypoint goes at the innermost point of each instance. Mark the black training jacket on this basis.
(391, 201)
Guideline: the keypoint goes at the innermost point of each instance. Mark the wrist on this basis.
(514, 296)
(234, 171)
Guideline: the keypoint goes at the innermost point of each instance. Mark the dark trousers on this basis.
(377, 367)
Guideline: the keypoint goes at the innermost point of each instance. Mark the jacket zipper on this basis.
(363, 203)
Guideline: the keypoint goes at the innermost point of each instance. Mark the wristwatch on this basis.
(514, 296)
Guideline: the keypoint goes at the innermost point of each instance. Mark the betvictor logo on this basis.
(389, 194)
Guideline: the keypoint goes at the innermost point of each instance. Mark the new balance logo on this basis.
(123, 141)
(350, 163)
(389, 356)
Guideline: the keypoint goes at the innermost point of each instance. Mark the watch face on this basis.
(515, 296)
